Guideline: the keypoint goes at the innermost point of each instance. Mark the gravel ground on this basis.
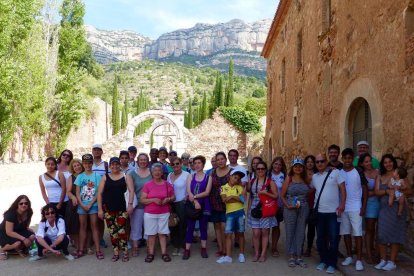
(16, 179)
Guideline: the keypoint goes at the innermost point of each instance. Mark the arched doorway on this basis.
(360, 122)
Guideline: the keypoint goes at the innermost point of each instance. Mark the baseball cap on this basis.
(97, 146)
(133, 148)
(87, 157)
(239, 173)
(363, 142)
(297, 161)
(173, 152)
(114, 160)
(163, 149)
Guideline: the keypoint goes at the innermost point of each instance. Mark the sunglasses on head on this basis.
(320, 161)
(49, 213)
(24, 203)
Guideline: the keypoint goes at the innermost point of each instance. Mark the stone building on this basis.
(340, 71)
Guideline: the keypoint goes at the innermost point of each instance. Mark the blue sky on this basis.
(155, 17)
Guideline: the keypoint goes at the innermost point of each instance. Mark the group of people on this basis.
(160, 197)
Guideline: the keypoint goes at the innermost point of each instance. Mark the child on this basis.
(233, 196)
(397, 184)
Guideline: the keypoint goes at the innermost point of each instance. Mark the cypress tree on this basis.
(190, 114)
(220, 93)
(115, 107)
(196, 117)
(216, 96)
(230, 87)
(125, 111)
(204, 108)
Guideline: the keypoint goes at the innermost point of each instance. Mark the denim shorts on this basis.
(235, 222)
(217, 216)
(92, 211)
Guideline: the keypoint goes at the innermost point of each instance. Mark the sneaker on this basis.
(330, 270)
(242, 259)
(389, 266)
(359, 266)
(381, 264)
(35, 258)
(347, 261)
(69, 257)
(224, 260)
(321, 266)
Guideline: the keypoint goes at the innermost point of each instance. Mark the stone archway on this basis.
(359, 92)
(159, 116)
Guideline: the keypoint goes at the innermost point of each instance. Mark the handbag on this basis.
(269, 204)
(173, 219)
(313, 215)
(191, 212)
(134, 202)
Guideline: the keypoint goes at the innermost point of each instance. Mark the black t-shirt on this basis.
(11, 216)
(340, 166)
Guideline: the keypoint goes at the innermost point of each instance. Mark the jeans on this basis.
(327, 241)
(63, 245)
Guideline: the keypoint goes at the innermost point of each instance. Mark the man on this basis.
(191, 164)
(233, 156)
(213, 165)
(363, 147)
(153, 157)
(132, 151)
(185, 158)
(331, 205)
(99, 166)
(172, 155)
(355, 205)
(333, 154)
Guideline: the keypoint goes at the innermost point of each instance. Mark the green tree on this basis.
(190, 114)
(178, 97)
(204, 108)
(196, 120)
(125, 111)
(259, 92)
(230, 87)
(115, 107)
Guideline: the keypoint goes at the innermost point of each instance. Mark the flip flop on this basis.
(275, 254)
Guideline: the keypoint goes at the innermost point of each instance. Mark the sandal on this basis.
(301, 263)
(219, 253)
(135, 252)
(115, 258)
(292, 262)
(3, 256)
(21, 253)
(99, 255)
(262, 259)
(275, 254)
(78, 254)
(166, 258)
(255, 259)
(149, 258)
(125, 257)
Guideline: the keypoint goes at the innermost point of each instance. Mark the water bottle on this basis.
(33, 249)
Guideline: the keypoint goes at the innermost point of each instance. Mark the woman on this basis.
(87, 184)
(51, 235)
(296, 210)
(15, 233)
(63, 161)
(219, 177)
(112, 207)
(198, 189)
(157, 195)
(310, 170)
(373, 204)
(178, 179)
(391, 227)
(253, 164)
(71, 214)
(278, 175)
(264, 185)
(53, 186)
(162, 158)
(138, 177)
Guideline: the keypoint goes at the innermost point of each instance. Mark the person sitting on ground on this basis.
(51, 235)
(233, 195)
(397, 184)
(15, 233)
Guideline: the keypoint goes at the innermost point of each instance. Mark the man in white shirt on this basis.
(331, 205)
(233, 156)
(99, 166)
(355, 205)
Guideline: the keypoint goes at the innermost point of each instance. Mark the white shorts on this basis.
(351, 224)
(156, 224)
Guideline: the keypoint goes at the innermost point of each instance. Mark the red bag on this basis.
(269, 205)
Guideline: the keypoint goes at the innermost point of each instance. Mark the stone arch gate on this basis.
(161, 118)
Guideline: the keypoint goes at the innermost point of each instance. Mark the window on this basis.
(326, 15)
(283, 75)
(299, 50)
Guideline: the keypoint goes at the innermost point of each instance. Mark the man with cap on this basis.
(99, 166)
(233, 195)
(132, 150)
(363, 147)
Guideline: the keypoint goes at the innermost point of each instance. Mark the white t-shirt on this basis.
(279, 179)
(329, 200)
(52, 232)
(353, 186)
(242, 169)
(100, 168)
(180, 185)
(53, 189)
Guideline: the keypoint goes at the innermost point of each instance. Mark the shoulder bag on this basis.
(269, 204)
(313, 215)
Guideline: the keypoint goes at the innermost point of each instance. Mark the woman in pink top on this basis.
(157, 195)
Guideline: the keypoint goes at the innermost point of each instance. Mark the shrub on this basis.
(244, 120)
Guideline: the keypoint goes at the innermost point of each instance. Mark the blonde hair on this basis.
(76, 160)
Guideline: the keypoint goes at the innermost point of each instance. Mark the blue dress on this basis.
(373, 203)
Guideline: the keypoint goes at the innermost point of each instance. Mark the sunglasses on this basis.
(320, 161)
(260, 169)
(24, 203)
(65, 155)
(176, 164)
(49, 213)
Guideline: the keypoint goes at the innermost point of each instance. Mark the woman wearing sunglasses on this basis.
(15, 233)
(63, 162)
(178, 179)
(51, 235)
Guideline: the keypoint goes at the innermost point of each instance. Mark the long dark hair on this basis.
(13, 207)
(361, 160)
(60, 156)
(282, 161)
(393, 160)
(265, 165)
(251, 163)
(47, 208)
(312, 157)
(303, 175)
(51, 158)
